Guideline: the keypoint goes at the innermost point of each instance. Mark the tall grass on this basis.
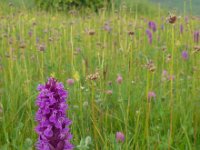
(35, 45)
(21, 3)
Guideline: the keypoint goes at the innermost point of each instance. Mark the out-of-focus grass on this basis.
(190, 6)
(144, 6)
(170, 121)
(22, 3)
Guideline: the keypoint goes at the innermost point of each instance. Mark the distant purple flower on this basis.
(30, 33)
(53, 125)
(37, 40)
(70, 82)
(120, 137)
(149, 35)
(181, 29)
(196, 36)
(162, 27)
(186, 19)
(164, 73)
(185, 55)
(152, 26)
(119, 79)
(107, 27)
(151, 95)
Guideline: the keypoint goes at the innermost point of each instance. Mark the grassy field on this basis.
(147, 90)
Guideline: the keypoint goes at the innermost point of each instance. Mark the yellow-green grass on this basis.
(170, 121)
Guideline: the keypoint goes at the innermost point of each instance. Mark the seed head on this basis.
(93, 77)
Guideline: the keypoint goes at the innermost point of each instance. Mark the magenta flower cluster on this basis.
(152, 26)
(53, 125)
(120, 137)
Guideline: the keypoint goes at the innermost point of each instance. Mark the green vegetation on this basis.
(179, 5)
(67, 4)
(187, 6)
(156, 104)
(21, 3)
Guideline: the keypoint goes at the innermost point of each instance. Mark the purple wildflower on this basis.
(119, 79)
(70, 82)
(30, 33)
(181, 29)
(185, 55)
(164, 73)
(151, 95)
(149, 35)
(52, 128)
(107, 27)
(37, 40)
(186, 19)
(120, 137)
(196, 36)
(152, 26)
(162, 27)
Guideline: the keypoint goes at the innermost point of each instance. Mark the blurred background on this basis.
(186, 6)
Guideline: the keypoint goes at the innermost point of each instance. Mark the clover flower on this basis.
(53, 125)
(120, 137)
(70, 82)
(119, 79)
(151, 95)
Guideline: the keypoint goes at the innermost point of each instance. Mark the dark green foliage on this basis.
(68, 4)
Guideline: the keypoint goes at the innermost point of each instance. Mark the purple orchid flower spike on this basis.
(53, 125)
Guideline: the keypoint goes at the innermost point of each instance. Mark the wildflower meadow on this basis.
(120, 78)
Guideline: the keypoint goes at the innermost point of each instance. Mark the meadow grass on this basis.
(36, 45)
